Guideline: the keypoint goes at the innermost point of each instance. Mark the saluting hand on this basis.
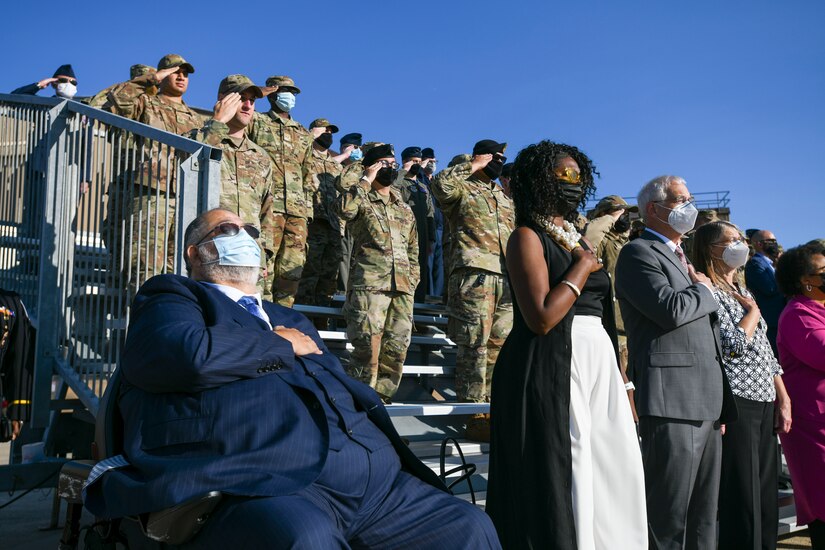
(163, 73)
(266, 90)
(227, 107)
(45, 82)
(480, 161)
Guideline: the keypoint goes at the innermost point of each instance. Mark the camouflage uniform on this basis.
(288, 144)
(384, 274)
(324, 241)
(101, 99)
(145, 198)
(246, 172)
(480, 219)
(418, 197)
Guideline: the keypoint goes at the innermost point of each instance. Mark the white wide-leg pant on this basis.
(608, 480)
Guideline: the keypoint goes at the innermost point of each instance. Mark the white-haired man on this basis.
(674, 359)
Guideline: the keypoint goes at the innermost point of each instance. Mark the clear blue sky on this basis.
(730, 95)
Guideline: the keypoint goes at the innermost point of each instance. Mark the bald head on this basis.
(764, 242)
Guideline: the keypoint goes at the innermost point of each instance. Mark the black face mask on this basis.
(571, 197)
(494, 168)
(386, 176)
(414, 170)
(772, 250)
(324, 140)
(622, 224)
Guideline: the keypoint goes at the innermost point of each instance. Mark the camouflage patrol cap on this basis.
(460, 159)
(611, 203)
(323, 123)
(708, 215)
(238, 83)
(283, 82)
(174, 60)
(139, 70)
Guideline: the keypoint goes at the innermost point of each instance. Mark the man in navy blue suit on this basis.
(760, 279)
(225, 392)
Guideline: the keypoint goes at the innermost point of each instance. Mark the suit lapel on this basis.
(670, 255)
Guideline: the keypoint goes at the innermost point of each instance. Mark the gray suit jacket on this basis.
(672, 335)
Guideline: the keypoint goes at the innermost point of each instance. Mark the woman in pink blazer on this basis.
(801, 342)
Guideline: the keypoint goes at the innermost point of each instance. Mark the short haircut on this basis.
(654, 191)
(795, 264)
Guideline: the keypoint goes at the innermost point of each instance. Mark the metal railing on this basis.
(91, 205)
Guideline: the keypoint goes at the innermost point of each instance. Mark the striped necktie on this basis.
(682, 258)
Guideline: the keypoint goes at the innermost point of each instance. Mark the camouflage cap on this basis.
(283, 82)
(460, 159)
(238, 83)
(708, 215)
(174, 60)
(611, 203)
(323, 123)
(139, 70)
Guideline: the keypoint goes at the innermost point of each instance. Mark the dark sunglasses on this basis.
(64, 80)
(230, 229)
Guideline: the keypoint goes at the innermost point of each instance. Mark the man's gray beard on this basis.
(214, 272)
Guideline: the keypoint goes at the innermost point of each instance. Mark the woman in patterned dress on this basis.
(748, 506)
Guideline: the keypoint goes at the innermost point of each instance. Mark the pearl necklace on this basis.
(567, 236)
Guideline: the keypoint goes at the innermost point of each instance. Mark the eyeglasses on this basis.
(680, 201)
(230, 229)
(728, 243)
(388, 164)
(64, 80)
(769, 241)
(567, 174)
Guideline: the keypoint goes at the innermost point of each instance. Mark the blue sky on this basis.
(730, 95)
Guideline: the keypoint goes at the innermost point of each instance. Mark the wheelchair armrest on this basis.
(73, 475)
(180, 523)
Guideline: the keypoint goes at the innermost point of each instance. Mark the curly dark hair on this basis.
(535, 190)
(795, 264)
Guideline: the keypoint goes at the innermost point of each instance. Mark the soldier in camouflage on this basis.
(480, 219)
(148, 191)
(379, 306)
(101, 99)
(608, 232)
(417, 196)
(246, 171)
(324, 240)
(288, 145)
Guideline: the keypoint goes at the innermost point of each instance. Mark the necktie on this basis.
(681, 254)
(250, 304)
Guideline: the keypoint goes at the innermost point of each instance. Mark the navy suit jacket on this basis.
(212, 399)
(761, 281)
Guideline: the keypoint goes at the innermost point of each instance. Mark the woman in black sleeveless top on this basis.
(565, 465)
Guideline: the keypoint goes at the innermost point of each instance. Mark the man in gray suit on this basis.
(674, 360)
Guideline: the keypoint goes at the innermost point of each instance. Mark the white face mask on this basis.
(683, 218)
(735, 254)
(66, 89)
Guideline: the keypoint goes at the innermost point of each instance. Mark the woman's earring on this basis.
(808, 288)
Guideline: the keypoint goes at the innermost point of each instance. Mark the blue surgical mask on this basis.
(238, 250)
(285, 101)
(356, 154)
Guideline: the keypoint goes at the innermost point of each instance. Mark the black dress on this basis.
(529, 488)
